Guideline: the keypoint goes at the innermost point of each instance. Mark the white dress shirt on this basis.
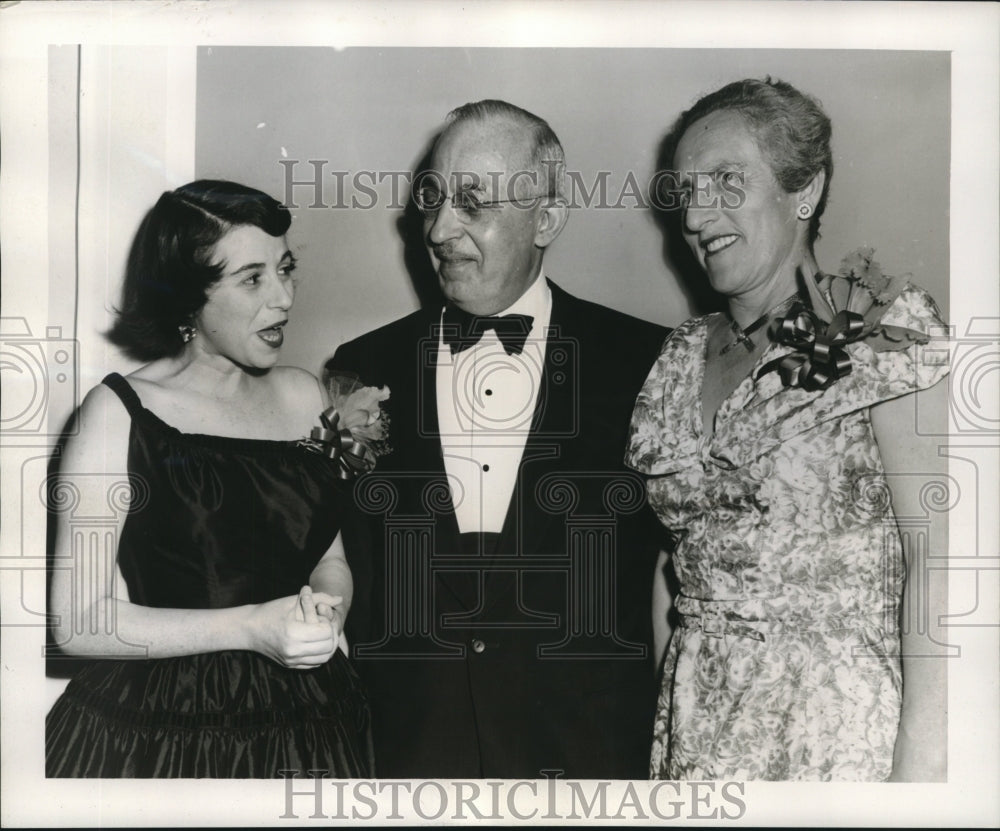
(486, 400)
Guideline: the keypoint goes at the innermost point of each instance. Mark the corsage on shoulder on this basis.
(843, 308)
(353, 431)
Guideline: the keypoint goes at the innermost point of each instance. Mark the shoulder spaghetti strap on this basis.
(120, 387)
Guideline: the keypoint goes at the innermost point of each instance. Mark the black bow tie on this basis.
(463, 330)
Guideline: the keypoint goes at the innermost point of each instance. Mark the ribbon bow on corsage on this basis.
(843, 308)
(353, 430)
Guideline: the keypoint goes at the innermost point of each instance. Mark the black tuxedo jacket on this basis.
(533, 654)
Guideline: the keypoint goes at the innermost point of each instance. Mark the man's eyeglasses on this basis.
(467, 205)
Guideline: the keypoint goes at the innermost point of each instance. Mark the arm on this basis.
(922, 742)
(93, 620)
(661, 608)
(332, 577)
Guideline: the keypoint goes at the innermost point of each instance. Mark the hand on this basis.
(314, 605)
(289, 630)
(330, 609)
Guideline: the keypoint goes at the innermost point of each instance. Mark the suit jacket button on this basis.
(478, 646)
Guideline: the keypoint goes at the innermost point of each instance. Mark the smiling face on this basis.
(246, 309)
(749, 245)
(486, 262)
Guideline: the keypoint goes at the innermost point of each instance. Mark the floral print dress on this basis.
(785, 665)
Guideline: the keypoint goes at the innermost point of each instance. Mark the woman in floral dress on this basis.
(766, 434)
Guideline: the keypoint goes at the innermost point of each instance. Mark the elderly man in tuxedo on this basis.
(503, 556)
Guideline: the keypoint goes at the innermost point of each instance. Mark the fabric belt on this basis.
(717, 626)
(722, 617)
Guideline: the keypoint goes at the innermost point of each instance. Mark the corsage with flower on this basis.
(353, 430)
(844, 308)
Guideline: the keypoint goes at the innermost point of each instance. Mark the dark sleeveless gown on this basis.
(215, 522)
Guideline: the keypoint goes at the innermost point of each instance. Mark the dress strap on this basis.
(120, 387)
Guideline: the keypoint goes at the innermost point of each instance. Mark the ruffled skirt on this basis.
(220, 715)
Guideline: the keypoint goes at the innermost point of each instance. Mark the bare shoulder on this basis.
(102, 406)
(100, 440)
(153, 381)
(297, 388)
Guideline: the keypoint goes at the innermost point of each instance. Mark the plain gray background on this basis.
(376, 109)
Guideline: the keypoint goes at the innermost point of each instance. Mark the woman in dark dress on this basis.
(215, 615)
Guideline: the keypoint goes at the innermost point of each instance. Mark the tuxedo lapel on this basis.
(527, 526)
(428, 461)
(427, 433)
(412, 405)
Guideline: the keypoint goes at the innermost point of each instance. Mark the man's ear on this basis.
(551, 220)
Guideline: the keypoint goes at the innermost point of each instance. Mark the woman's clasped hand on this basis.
(299, 632)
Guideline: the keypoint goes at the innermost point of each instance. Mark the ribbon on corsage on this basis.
(844, 308)
(353, 430)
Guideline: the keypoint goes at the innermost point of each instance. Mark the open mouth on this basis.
(717, 244)
(273, 336)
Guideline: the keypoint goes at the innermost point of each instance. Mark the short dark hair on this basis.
(171, 263)
(790, 128)
(546, 149)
